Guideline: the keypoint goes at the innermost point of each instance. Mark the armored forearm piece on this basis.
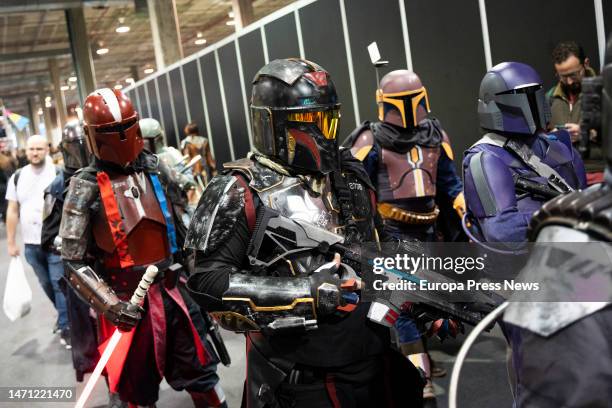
(75, 218)
(267, 304)
(93, 290)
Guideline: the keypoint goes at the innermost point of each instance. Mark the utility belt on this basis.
(388, 211)
(126, 280)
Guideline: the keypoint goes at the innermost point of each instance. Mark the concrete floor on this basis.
(30, 355)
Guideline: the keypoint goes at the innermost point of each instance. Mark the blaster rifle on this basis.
(532, 187)
(294, 236)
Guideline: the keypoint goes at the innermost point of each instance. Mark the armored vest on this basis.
(406, 173)
(405, 176)
(554, 155)
(291, 198)
(143, 222)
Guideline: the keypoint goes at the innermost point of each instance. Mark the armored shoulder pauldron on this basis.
(217, 212)
(75, 217)
(560, 225)
(589, 211)
(260, 177)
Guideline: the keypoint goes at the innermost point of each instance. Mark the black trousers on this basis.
(384, 381)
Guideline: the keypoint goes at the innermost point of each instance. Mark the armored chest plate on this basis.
(292, 200)
(409, 175)
(136, 200)
(142, 219)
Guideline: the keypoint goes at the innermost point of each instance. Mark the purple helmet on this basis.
(511, 99)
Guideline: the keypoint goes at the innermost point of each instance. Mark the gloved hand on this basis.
(124, 315)
(459, 204)
(432, 322)
(331, 294)
(443, 328)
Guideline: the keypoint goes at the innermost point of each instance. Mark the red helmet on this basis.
(111, 125)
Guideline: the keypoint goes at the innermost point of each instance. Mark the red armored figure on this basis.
(117, 221)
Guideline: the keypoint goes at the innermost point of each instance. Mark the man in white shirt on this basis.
(25, 196)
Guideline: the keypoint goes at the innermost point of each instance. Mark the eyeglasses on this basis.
(575, 75)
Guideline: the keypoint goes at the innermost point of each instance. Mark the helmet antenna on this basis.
(376, 60)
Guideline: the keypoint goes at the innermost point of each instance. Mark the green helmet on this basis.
(153, 134)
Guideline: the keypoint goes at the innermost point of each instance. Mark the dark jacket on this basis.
(562, 112)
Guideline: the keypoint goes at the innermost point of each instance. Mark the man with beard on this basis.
(571, 66)
(25, 192)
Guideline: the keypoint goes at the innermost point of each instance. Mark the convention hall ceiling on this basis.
(33, 30)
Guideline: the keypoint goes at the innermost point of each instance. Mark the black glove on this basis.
(325, 289)
(330, 293)
(124, 315)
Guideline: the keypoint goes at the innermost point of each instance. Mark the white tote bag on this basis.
(17, 293)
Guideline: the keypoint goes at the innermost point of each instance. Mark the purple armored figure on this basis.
(515, 167)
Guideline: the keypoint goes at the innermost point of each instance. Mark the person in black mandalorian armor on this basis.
(561, 350)
(82, 334)
(262, 266)
(117, 220)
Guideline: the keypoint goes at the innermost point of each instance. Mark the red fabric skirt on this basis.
(139, 359)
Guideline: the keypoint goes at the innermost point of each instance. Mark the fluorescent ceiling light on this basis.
(149, 70)
(122, 29)
(102, 51)
(200, 41)
(130, 80)
(230, 23)
(72, 79)
(118, 86)
(64, 87)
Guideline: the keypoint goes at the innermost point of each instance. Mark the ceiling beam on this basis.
(24, 81)
(18, 95)
(20, 56)
(21, 6)
(19, 75)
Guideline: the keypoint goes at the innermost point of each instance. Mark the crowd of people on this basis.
(222, 237)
